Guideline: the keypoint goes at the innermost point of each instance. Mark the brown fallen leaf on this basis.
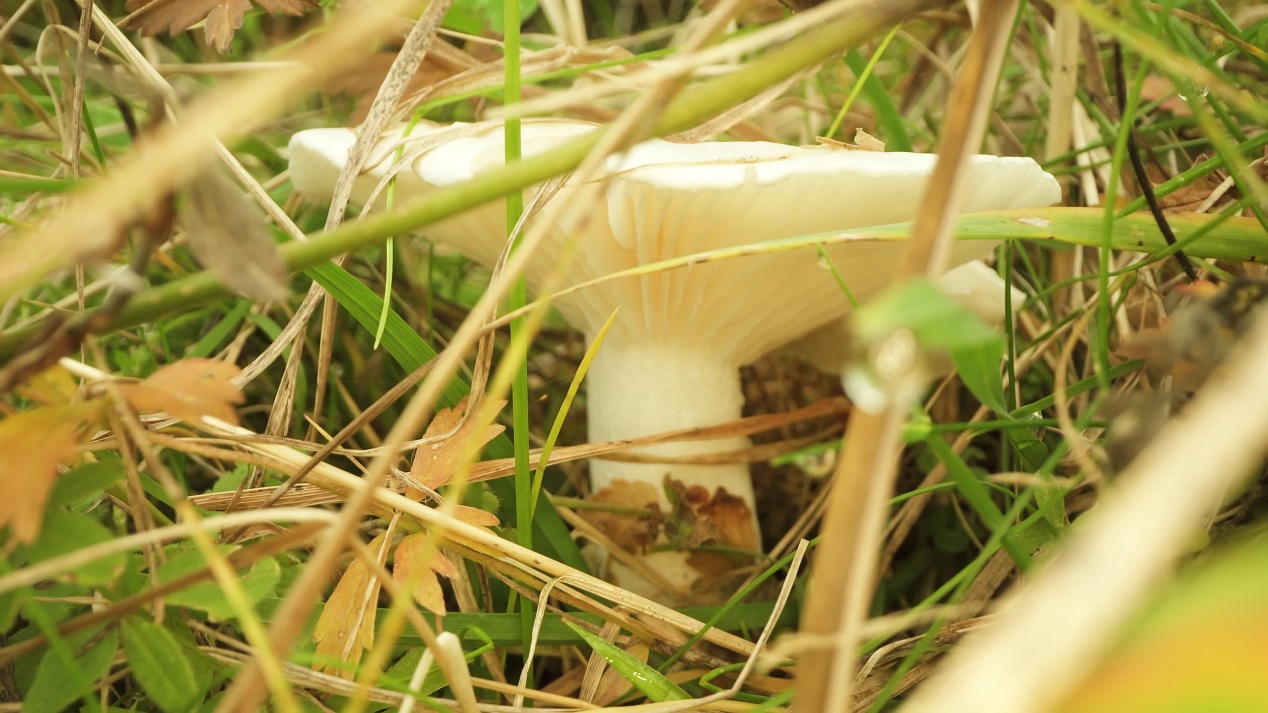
(613, 684)
(223, 17)
(227, 235)
(344, 632)
(418, 561)
(634, 533)
(732, 518)
(704, 518)
(1190, 197)
(188, 390)
(1157, 87)
(436, 463)
(32, 444)
(476, 516)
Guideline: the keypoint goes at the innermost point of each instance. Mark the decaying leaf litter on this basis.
(941, 558)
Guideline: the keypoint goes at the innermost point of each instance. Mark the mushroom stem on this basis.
(642, 390)
(646, 389)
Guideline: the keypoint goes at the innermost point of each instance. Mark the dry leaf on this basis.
(418, 561)
(475, 516)
(32, 444)
(362, 79)
(732, 518)
(1189, 198)
(1156, 87)
(224, 17)
(52, 386)
(633, 533)
(700, 518)
(343, 632)
(613, 684)
(188, 390)
(436, 463)
(863, 141)
(227, 234)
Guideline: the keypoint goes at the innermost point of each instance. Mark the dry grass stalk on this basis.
(838, 598)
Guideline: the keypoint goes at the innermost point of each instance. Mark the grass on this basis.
(111, 583)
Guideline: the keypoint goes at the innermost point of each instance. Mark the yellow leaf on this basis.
(435, 463)
(634, 533)
(52, 386)
(188, 390)
(418, 562)
(476, 516)
(343, 632)
(32, 444)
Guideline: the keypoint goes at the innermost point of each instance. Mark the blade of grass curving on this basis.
(861, 78)
(651, 682)
(557, 426)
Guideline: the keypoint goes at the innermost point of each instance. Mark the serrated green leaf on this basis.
(651, 682)
(65, 532)
(160, 665)
(258, 582)
(59, 682)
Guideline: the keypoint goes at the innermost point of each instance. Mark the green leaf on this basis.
(84, 482)
(65, 532)
(479, 17)
(651, 682)
(937, 322)
(59, 682)
(259, 582)
(160, 665)
(979, 371)
(398, 675)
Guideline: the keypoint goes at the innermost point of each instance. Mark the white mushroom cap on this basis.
(680, 199)
(667, 200)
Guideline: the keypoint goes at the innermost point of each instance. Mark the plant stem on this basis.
(517, 299)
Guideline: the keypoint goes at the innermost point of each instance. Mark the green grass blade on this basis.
(651, 682)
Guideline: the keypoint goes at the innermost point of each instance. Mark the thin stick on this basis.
(1138, 167)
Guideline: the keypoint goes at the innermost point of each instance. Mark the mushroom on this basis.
(972, 285)
(672, 358)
